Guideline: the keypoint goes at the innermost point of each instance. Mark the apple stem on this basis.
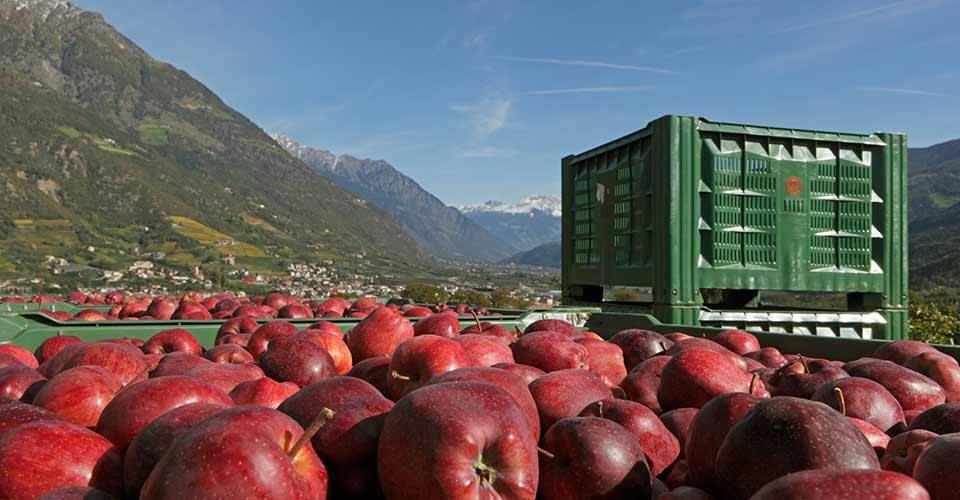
(59, 333)
(806, 369)
(776, 374)
(325, 416)
(395, 374)
(546, 453)
(146, 371)
(476, 318)
(753, 381)
(663, 346)
(600, 408)
(843, 404)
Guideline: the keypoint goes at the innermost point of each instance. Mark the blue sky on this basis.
(479, 100)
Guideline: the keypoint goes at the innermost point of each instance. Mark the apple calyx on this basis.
(325, 415)
(843, 404)
(486, 474)
(399, 376)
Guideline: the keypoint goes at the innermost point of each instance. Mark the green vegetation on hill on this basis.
(97, 134)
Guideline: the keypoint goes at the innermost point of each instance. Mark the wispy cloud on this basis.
(589, 64)
(902, 91)
(474, 41)
(487, 152)
(900, 7)
(487, 116)
(591, 90)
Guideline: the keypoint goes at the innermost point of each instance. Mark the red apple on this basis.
(374, 371)
(79, 395)
(738, 341)
(297, 360)
(901, 351)
(173, 340)
(485, 350)
(707, 431)
(295, 311)
(42, 456)
(492, 329)
(678, 421)
(229, 354)
(263, 391)
(333, 343)
(123, 360)
(660, 447)
(902, 451)
(550, 351)
(257, 445)
(177, 363)
(225, 376)
(240, 325)
(419, 359)
(843, 485)
(472, 441)
(153, 442)
(417, 312)
(53, 345)
(260, 340)
(25, 356)
(638, 345)
(347, 444)
(912, 390)
(693, 377)
(553, 325)
(136, 406)
(326, 326)
(441, 325)
(643, 381)
(565, 393)
(378, 334)
(863, 399)
(13, 414)
(241, 339)
(942, 369)
(527, 373)
(20, 382)
(606, 360)
(76, 493)
(513, 384)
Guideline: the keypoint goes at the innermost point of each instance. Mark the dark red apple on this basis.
(550, 351)
(643, 381)
(263, 391)
(901, 351)
(941, 419)
(553, 325)
(295, 311)
(803, 383)
(378, 334)
(709, 345)
(589, 457)
(902, 451)
(863, 399)
(767, 356)
(660, 447)
(441, 325)
(485, 350)
(472, 441)
(527, 373)
(241, 339)
(46, 455)
(228, 354)
(374, 371)
(784, 435)
(510, 382)
(877, 438)
(935, 468)
(419, 359)
(77, 493)
(177, 363)
(260, 340)
(638, 345)
(693, 377)
(173, 340)
(258, 444)
(123, 360)
(153, 442)
(606, 360)
(53, 345)
(79, 395)
(686, 493)
(940, 368)
(707, 431)
(20, 382)
(136, 406)
(678, 422)
(912, 390)
(843, 485)
(333, 343)
(297, 360)
(225, 376)
(240, 325)
(565, 393)
(347, 444)
(25, 356)
(738, 341)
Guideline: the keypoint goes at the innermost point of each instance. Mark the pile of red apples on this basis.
(193, 306)
(428, 409)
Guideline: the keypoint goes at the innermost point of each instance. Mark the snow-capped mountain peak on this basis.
(546, 204)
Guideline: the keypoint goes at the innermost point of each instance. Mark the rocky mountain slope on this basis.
(102, 147)
(545, 255)
(440, 229)
(532, 221)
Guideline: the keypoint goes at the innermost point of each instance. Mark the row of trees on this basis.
(431, 294)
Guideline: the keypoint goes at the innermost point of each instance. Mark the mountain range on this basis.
(532, 221)
(935, 215)
(441, 230)
(107, 153)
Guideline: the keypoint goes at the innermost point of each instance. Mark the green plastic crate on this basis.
(686, 204)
